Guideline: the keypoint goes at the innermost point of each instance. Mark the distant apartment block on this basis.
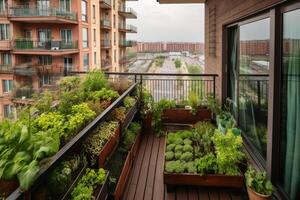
(42, 40)
(155, 47)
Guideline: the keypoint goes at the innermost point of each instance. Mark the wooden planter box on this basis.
(129, 116)
(209, 180)
(147, 122)
(101, 193)
(7, 187)
(122, 181)
(184, 116)
(109, 148)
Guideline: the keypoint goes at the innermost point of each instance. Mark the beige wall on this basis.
(227, 11)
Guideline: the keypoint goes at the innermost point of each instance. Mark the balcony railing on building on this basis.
(106, 4)
(127, 43)
(127, 28)
(105, 23)
(42, 12)
(105, 44)
(25, 92)
(52, 45)
(4, 68)
(127, 12)
(5, 44)
(105, 64)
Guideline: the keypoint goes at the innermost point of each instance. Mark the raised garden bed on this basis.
(109, 148)
(185, 116)
(185, 169)
(129, 116)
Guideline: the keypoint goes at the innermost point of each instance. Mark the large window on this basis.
(4, 32)
(3, 5)
(84, 16)
(65, 5)
(290, 106)
(45, 80)
(6, 59)
(45, 60)
(7, 85)
(8, 111)
(86, 62)
(85, 38)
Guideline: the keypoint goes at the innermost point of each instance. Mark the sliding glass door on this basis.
(290, 105)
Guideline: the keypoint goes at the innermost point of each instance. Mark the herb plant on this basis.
(130, 135)
(129, 102)
(258, 181)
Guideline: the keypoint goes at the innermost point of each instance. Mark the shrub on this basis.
(69, 83)
(177, 63)
(129, 102)
(103, 94)
(120, 85)
(187, 156)
(94, 81)
(118, 114)
(169, 155)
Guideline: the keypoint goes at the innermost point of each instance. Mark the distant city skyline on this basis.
(158, 23)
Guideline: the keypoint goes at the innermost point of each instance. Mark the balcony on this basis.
(105, 64)
(53, 47)
(42, 15)
(5, 45)
(5, 69)
(128, 13)
(105, 4)
(105, 24)
(127, 28)
(105, 44)
(127, 43)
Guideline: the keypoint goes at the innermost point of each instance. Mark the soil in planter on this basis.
(115, 166)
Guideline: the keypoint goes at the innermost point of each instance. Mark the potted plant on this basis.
(258, 185)
(146, 110)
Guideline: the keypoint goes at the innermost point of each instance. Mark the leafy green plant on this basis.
(130, 135)
(175, 167)
(103, 94)
(68, 99)
(177, 63)
(43, 102)
(206, 164)
(157, 114)
(147, 102)
(69, 83)
(94, 81)
(258, 181)
(118, 114)
(88, 183)
(120, 85)
(129, 102)
(202, 138)
(193, 102)
(98, 107)
(96, 141)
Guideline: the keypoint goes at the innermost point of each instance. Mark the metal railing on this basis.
(105, 43)
(127, 43)
(123, 9)
(54, 45)
(5, 68)
(128, 27)
(105, 23)
(108, 2)
(42, 12)
(24, 93)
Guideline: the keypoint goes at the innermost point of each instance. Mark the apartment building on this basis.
(42, 40)
(156, 47)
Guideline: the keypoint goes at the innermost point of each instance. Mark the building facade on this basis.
(157, 47)
(254, 47)
(42, 40)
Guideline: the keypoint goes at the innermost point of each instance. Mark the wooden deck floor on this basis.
(146, 180)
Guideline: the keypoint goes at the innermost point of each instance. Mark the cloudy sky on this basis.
(167, 22)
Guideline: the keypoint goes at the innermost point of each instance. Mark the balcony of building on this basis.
(105, 24)
(35, 14)
(5, 45)
(105, 4)
(6, 69)
(105, 44)
(127, 43)
(128, 13)
(127, 28)
(49, 47)
(105, 64)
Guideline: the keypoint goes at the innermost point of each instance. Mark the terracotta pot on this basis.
(7, 187)
(147, 122)
(255, 196)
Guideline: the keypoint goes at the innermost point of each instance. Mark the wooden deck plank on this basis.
(152, 169)
(169, 195)
(159, 179)
(141, 184)
(181, 193)
(235, 195)
(131, 186)
(203, 194)
(193, 193)
(224, 194)
(213, 194)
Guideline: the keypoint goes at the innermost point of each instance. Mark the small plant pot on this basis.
(256, 196)
(147, 121)
(7, 187)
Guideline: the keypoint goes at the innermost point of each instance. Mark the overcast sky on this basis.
(167, 22)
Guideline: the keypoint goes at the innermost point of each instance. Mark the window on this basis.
(68, 65)
(3, 5)
(114, 21)
(94, 12)
(290, 106)
(6, 59)
(4, 32)
(65, 5)
(115, 55)
(94, 36)
(45, 60)
(66, 36)
(45, 80)
(8, 111)
(95, 58)
(85, 40)
(86, 62)
(248, 86)
(7, 85)
(84, 11)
